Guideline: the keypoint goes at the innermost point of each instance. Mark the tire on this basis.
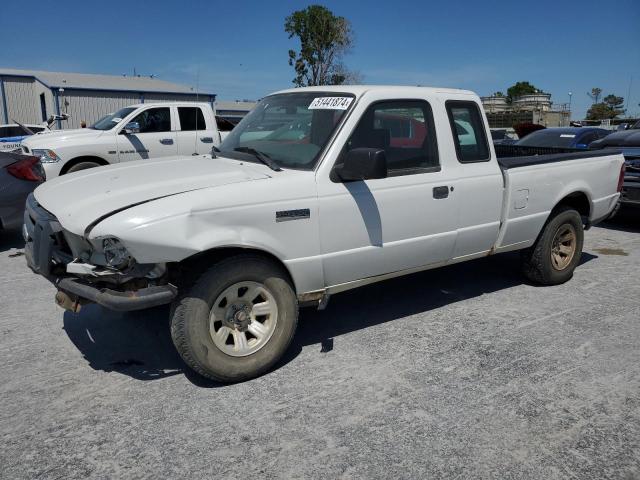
(199, 319)
(556, 253)
(82, 166)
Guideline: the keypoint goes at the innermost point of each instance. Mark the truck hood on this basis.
(46, 139)
(81, 199)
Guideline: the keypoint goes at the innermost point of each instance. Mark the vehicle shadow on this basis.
(138, 344)
(10, 239)
(626, 220)
(418, 293)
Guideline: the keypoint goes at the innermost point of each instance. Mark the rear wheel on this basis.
(82, 166)
(237, 319)
(557, 252)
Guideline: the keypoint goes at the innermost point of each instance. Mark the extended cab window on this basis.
(468, 131)
(154, 120)
(191, 118)
(405, 130)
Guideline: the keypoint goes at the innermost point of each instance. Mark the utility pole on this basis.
(626, 106)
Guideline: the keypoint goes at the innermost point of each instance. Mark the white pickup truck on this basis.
(317, 191)
(137, 132)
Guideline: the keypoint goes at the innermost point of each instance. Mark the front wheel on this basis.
(556, 253)
(82, 166)
(237, 320)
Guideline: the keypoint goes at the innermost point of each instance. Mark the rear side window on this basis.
(405, 130)
(468, 130)
(191, 118)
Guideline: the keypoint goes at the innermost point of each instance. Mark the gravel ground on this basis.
(462, 372)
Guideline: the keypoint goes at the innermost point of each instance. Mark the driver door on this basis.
(407, 220)
(155, 139)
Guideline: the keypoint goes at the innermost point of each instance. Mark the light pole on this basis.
(570, 94)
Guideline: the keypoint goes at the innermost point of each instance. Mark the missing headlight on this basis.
(116, 254)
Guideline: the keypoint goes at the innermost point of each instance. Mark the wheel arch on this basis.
(199, 262)
(579, 200)
(82, 158)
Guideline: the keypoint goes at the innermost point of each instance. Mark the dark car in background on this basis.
(19, 176)
(627, 142)
(503, 136)
(563, 137)
(622, 139)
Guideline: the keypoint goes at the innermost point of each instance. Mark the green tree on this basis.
(610, 107)
(324, 39)
(521, 88)
(615, 102)
(595, 94)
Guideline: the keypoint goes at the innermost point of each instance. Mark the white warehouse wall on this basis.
(21, 100)
(90, 106)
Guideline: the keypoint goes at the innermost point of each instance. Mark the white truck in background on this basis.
(137, 132)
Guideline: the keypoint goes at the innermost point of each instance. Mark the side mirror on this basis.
(131, 128)
(362, 164)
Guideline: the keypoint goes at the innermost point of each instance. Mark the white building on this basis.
(234, 110)
(30, 96)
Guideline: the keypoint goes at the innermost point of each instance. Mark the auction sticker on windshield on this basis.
(330, 103)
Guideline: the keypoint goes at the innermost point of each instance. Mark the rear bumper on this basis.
(13, 195)
(630, 195)
(126, 301)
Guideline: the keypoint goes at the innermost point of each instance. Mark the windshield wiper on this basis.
(263, 157)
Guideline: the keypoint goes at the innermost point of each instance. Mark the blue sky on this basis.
(238, 49)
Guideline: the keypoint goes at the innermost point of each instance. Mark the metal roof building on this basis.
(31, 96)
(234, 111)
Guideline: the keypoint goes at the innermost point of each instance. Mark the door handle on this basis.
(166, 141)
(441, 192)
(206, 139)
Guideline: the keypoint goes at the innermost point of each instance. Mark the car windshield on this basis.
(109, 121)
(549, 138)
(291, 129)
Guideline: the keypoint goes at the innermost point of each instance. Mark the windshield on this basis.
(109, 121)
(289, 128)
(548, 138)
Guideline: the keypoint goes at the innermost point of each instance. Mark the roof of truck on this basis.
(360, 89)
(169, 104)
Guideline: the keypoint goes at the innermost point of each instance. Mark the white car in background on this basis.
(139, 132)
(12, 135)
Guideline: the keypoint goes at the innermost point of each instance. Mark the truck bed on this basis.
(535, 183)
(513, 156)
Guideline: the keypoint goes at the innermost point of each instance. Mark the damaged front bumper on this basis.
(76, 292)
(48, 254)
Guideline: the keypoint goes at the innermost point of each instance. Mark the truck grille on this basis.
(45, 246)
